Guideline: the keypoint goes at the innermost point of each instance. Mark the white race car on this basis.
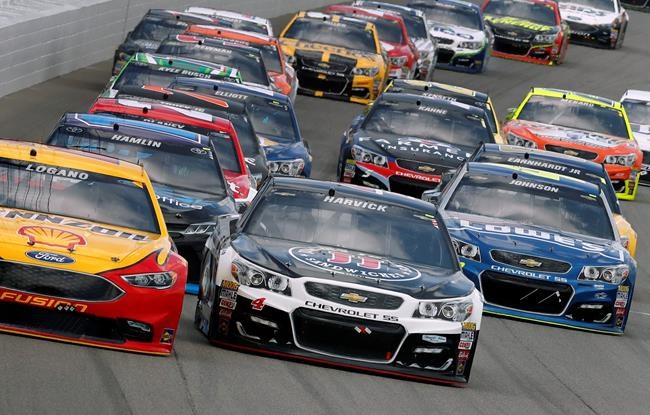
(336, 274)
(637, 106)
(595, 22)
(235, 20)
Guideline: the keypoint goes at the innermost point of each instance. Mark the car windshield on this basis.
(388, 30)
(351, 223)
(59, 190)
(227, 153)
(526, 10)
(416, 28)
(638, 112)
(243, 25)
(453, 126)
(574, 114)
(593, 4)
(157, 29)
(182, 165)
(250, 66)
(450, 15)
(524, 201)
(271, 57)
(136, 74)
(343, 35)
(273, 119)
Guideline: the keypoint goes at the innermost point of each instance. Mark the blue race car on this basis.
(186, 177)
(273, 118)
(541, 246)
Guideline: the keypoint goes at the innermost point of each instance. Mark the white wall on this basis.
(42, 39)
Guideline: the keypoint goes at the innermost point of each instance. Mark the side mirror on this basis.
(356, 121)
(432, 196)
(226, 226)
(510, 113)
(307, 145)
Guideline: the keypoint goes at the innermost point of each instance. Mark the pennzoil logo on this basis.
(51, 237)
(38, 301)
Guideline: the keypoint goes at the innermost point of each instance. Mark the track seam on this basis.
(186, 388)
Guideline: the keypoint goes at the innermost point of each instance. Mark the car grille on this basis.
(583, 154)
(347, 336)
(445, 55)
(409, 187)
(334, 65)
(444, 41)
(519, 260)
(372, 299)
(511, 47)
(57, 283)
(420, 167)
(513, 33)
(582, 28)
(524, 294)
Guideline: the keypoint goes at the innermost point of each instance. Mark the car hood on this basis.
(586, 15)
(298, 45)
(75, 244)
(568, 134)
(296, 259)
(458, 33)
(642, 135)
(412, 148)
(489, 234)
(516, 27)
(184, 207)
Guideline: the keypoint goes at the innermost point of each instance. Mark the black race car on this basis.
(340, 275)
(407, 142)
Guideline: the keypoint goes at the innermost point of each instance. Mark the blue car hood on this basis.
(187, 207)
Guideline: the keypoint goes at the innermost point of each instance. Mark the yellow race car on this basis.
(335, 57)
(85, 256)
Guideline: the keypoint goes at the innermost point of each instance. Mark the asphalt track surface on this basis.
(520, 367)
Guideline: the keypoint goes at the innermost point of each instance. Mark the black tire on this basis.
(206, 266)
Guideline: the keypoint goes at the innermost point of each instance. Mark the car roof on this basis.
(227, 13)
(178, 16)
(637, 95)
(249, 36)
(212, 42)
(456, 3)
(506, 151)
(576, 96)
(389, 6)
(238, 88)
(423, 86)
(63, 157)
(361, 11)
(419, 99)
(343, 19)
(351, 190)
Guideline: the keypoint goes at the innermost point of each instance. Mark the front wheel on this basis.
(202, 322)
(621, 37)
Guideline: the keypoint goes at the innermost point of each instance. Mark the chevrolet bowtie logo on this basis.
(571, 153)
(353, 298)
(323, 65)
(426, 169)
(530, 263)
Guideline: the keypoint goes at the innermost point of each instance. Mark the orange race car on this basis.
(282, 75)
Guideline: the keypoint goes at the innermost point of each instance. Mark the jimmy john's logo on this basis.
(535, 186)
(38, 301)
(14, 214)
(531, 233)
(357, 265)
(57, 171)
(362, 204)
(51, 237)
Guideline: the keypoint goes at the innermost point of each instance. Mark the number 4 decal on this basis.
(258, 304)
(341, 258)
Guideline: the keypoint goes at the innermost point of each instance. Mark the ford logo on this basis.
(49, 257)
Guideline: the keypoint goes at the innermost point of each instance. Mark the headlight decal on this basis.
(517, 140)
(453, 310)
(250, 275)
(157, 280)
(623, 160)
(366, 156)
(371, 72)
(286, 167)
(614, 274)
(466, 250)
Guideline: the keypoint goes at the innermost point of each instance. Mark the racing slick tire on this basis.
(204, 285)
(621, 38)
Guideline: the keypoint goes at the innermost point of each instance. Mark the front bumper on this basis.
(393, 178)
(525, 51)
(590, 35)
(354, 88)
(354, 338)
(450, 59)
(551, 298)
(142, 320)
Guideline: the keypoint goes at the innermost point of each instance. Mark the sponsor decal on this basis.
(74, 130)
(532, 233)
(57, 171)
(514, 21)
(145, 142)
(230, 285)
(258, 304)
(601, 296)
(177, 203)
(225, 313)
(363, 204)
(420, 177)
(362, 330)
(527, 274)
(57, 220)
(49, 257)
(39, 301)
(167, 336)
(433, 110)
(619, 321)
(426, 169)
(460, 366)
(621, 297)
(450, 31)
(535, 186)
(51, 237)
(467, 335)
(435, 339)
(530, 262)
(350, 312)
(353, 298)
(468, 325)
(228, 294)
(542, 165)
(233, 95)
(358, 265)
(226, 303)
(418, 145)
(464, 345)
(463, 354)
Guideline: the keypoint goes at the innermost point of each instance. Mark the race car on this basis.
(402, 54)
(457, 26)
(154, 27)
(407, 142)
(220, 131)
(187, 178)
(160, 70)
(569, 166)
(451, 93)
(247, 60)
(527, 30)
(273, 118)
(280, 72)
(335, 57)
(339, 275)
(418, 32)
(231, 110)
(637, 107)
(541, 246)
(637, 4)
(234, 20)
(581, 125)
(85, 254)
(595, 22)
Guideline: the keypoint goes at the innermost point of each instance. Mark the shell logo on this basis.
(51, 237)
